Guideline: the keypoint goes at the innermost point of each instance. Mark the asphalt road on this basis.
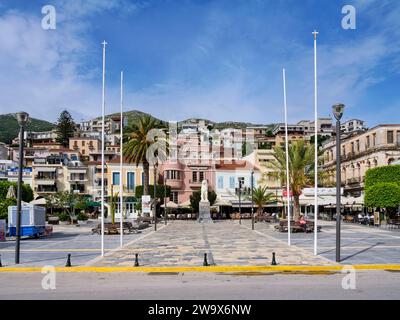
(369, 285)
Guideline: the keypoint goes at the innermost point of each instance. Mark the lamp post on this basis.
(22, 118)
(155, 201)
(338, 113)
(252, 200)
(240, 199)
(165, 197)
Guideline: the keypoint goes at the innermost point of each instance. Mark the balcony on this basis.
(194, 184)
(175, 183)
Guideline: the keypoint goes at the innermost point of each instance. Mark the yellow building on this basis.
(132, 176)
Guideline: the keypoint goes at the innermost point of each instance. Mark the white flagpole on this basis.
(102, 147)
(315, 33)
(287, 157)
(121, 187)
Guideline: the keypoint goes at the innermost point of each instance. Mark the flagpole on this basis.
(121, 187)
(315, 33)
(287, 157)
(102, 147)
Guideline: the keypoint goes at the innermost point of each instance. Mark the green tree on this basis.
(138, 144)
(67, 201)
(65, 128)
(196, 197)
(261, 197)
(301, 169)
(4, 204)
(27, 192)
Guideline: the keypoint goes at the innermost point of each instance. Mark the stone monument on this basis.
(204, 205)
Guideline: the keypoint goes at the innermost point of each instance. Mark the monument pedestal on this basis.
(204, 212)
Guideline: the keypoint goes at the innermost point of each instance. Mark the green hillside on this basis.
(9, 127)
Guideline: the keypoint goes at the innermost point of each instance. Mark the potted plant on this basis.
(82, 217)
(64, 218)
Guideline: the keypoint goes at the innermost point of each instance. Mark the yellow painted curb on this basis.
(210, 269)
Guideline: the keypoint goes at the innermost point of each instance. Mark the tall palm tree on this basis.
(138, 143)
(261, 197)
(301, 168)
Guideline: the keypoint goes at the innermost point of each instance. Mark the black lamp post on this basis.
(165, 197)
(155, 199)
(22, 118)
(240, 199)
(252, 200)
(338, 113)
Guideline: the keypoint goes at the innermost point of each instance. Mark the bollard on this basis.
(136, 260)
(68, 264)
(1, 266)
(273, 263)
(205, 263)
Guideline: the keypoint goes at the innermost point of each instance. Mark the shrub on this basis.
(382, 187)
(81, 216)
(63, 216)
(383, 195)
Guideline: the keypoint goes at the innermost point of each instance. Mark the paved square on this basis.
(359, 244)
(183, 243)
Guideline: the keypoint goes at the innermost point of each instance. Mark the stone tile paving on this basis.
(359, 244)
(183, 243)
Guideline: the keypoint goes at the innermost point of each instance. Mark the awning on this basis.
(45, 169)
(223, 203)
(185, 204)
(171, 205)
(39, 202)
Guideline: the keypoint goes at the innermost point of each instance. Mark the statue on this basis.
(204, 205)
(204, 191)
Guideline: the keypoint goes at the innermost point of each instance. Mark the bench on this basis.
(109, 228)
(295, 226)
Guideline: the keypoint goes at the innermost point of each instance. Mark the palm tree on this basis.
(261, 197)
(301, 168)
(138, 143)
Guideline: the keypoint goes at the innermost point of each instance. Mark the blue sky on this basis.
(220, 60)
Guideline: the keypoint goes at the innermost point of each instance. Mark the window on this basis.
(358, 145)
(174, 196)
(83, 143)
(130, 178)
(374, 140)
(115, 178)
(232, 182)
(194, 176)
(201, 173)
(220, 182)
(390, 137)
(368, 142)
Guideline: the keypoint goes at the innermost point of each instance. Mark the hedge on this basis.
(382, 187)
(383, 195)
(382, 174)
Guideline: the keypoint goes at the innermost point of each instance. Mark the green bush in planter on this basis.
(64, 216)
(81, 216)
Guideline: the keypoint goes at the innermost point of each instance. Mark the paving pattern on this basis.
(183, 243)
(359, 244)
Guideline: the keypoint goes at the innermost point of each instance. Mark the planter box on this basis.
(82, 222)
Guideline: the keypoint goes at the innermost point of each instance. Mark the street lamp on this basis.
(165, 197)
(22, 118)
(155, 201)
(338, 113)
(252, 200)
(241, 180)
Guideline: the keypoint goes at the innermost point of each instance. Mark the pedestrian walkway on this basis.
(359, 244)
(183, 243)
